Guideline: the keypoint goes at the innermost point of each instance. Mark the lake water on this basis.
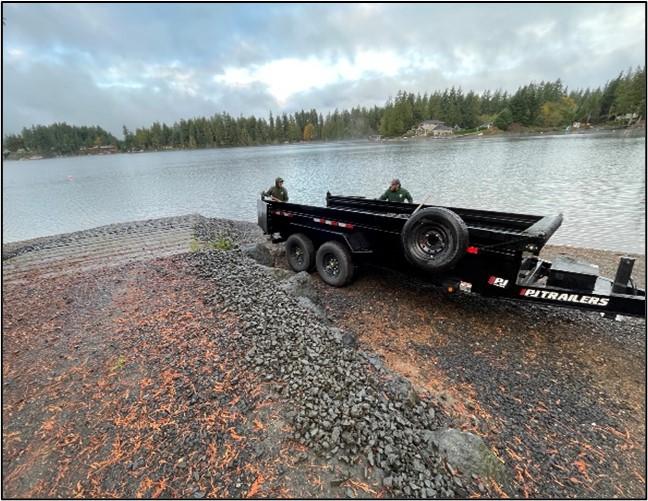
(597, 182)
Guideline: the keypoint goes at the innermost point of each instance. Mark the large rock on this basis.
(401, 389)
(265, 253)
(278, 253)
(375, 360)
(278, 273)
(344, 337)
(468, 453)
(311, 306)
(301, 285)
(259, 252)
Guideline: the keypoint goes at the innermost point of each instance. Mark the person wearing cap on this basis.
(395, 193)
(278, 192)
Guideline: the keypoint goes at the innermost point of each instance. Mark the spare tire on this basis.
(300, 252)
(434, 239)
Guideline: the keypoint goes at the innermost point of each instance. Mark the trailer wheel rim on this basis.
(431, 241)
(331, 265)
(298, 254)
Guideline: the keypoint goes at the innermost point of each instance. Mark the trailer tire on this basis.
(334, 263)
(434, 239)
(300, 252)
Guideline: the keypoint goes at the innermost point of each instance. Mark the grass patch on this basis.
(121, 362)
(222, 243)
(194, 245)
(219, 243)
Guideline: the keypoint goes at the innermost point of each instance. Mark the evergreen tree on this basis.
(608, 97)
(504, 119)
(272, 132)
(470, 111)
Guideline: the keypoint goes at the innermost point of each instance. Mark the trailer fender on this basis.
(434, 239)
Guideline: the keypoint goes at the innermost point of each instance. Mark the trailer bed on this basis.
(484, 226)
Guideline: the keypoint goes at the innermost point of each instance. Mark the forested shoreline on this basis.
(536, 106)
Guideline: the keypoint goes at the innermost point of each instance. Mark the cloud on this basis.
(286, 77)
(15, 54)
(114, 64)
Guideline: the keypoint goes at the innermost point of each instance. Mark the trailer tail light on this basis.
(282, 213)
(472, 250)
(330, 222)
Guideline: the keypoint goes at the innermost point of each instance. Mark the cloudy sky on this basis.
(133, 64)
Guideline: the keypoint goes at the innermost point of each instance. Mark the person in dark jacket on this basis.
(396, 193)
(277, 192)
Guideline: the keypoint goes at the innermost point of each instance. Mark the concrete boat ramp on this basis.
(111, 245)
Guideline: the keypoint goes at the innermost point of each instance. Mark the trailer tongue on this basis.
(485, 252)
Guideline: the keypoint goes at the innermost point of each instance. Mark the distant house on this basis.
(627, 116)
(433, 128)
(105, 149)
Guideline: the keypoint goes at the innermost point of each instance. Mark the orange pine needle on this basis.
(255, 487)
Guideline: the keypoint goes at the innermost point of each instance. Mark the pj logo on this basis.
(498, 282)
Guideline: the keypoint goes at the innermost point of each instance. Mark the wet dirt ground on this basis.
(558, 394)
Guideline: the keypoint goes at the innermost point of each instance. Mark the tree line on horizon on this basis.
(536, 105)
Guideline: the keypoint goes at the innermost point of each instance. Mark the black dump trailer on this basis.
(479, 251)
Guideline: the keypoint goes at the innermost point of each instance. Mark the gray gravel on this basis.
(344, 408)
(237, 232)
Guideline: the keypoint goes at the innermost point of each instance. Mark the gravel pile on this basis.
(237, 232)
(344, 408)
